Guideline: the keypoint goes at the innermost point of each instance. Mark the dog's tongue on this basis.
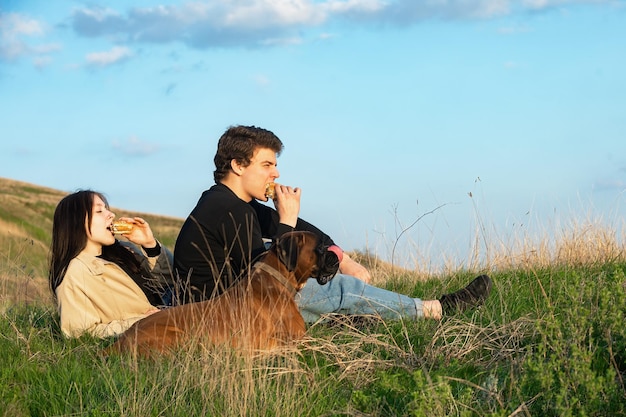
(337, 251)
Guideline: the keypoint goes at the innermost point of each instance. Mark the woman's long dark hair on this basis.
(69, 238)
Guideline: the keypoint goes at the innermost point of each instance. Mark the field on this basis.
(550, 341)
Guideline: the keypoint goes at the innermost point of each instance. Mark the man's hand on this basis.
(287, 203)
(349, 266)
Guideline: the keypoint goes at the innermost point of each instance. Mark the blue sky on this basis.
(498, 116)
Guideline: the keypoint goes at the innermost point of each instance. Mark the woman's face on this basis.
(99, 234)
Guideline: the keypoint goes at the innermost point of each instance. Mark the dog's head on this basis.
(303, 254)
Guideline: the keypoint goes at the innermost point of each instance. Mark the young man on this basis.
(225, 232)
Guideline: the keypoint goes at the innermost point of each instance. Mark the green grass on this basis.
(549, 342)
(33, 230)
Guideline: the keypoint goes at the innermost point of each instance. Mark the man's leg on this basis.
(345, 294)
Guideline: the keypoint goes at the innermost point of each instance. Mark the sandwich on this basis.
(269, 190)
(121, 227)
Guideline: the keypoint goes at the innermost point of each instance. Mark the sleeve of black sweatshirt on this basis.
(271, 227)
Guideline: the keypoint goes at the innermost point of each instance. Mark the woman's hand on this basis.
(349, 266)
(141, 234)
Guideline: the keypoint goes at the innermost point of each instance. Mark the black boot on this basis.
(473, 295)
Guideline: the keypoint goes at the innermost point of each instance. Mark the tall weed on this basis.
(576, 364)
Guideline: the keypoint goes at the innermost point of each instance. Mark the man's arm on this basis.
(349, 266)
(272, 228)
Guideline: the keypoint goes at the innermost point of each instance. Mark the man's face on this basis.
(262, 170)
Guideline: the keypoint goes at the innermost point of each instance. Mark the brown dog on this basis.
(258, 312)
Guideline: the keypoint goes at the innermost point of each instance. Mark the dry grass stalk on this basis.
(356, 351)
(457, 338)
(577, 244)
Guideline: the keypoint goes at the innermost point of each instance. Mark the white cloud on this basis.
(16, 24)
(46, 48)
(41, 61)
(201, 24)
(511, 65)
(253, 23)
(296, 40)
(513, 30)
(265, 13)
(14, 29)
(97, 21)
(547, 4)
(326, 35)
(262, 80)
(135, 147)
(116, 55)
(355, 5)
(212, 23)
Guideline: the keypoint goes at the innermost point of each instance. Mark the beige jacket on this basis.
(97, 297)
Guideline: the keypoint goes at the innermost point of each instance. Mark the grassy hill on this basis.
(550, 341)
(26, 212)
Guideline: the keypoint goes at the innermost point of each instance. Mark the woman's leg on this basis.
(345, 294)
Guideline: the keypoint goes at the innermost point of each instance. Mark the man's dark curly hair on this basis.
(240, 143)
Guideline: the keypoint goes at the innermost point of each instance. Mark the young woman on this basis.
(103, 285)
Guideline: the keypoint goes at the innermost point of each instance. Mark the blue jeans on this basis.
(345, 294)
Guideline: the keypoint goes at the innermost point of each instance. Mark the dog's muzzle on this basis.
(327, 263)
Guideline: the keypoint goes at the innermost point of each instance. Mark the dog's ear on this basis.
(287, 249)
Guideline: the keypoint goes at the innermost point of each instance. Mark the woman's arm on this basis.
(163, 267)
